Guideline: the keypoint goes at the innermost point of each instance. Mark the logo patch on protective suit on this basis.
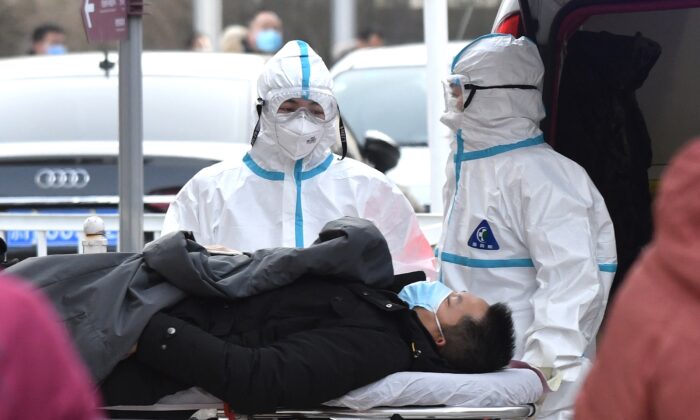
(482, 237)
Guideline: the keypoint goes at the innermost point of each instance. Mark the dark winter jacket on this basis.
(297, 346)
(107, 299)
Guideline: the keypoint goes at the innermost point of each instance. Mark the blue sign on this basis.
(56, 238)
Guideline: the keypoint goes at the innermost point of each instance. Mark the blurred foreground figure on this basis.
(40, 375)
(649, 361)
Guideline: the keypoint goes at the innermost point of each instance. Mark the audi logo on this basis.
(62, 178)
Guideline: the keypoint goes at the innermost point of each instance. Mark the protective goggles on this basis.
(317, 106)
(459, 93)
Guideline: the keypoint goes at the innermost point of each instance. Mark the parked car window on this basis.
(59, 126)
(399, 92)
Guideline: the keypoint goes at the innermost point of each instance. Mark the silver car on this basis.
(59, 130)
(384, 89)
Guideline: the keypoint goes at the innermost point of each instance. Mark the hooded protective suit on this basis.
(524, 225)
(270, 199)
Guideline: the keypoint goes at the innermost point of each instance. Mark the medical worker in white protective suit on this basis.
(290, 185)
(524, 225)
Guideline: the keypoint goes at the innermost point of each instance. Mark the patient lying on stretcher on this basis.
(309, 342)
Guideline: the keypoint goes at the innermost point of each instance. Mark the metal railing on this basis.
(431, 224)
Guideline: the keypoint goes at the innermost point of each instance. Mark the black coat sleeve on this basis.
(301, 371)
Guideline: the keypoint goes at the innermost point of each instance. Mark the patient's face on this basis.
(460, 304)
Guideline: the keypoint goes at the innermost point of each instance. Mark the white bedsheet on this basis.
(509, 387)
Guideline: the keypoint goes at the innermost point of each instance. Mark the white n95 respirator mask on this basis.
(298, 133)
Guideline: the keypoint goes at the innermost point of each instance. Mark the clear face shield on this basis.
(453, 90)
(301, 119)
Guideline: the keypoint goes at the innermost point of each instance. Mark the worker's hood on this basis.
(296, 71)
(506, 106)
(677, 216)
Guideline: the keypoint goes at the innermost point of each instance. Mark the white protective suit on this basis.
(524, 224)
(270, 200)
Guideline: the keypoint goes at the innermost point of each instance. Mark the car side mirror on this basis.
(381, 150)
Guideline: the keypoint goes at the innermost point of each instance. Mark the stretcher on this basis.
(389, 413)
(509, 394)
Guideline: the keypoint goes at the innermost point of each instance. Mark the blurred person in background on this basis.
(41, 376)
(233, 38)
(649, 361)
(264, 33)
(523, 224)
(199, 42)
(48, 39)
(368, 38)
(290, 184)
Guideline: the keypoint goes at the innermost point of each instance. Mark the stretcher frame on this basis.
(394, 413)
(391, 413)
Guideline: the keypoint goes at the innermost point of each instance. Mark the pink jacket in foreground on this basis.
(648, 366)
(40, 374)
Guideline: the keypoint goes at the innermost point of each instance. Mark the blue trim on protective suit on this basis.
(493, 35)
(458, 173)
(298, 215)
(507, 263)
(608, 268)
(459, 54)
(262, 173)
(497, 150)
(479, 263)
(460, 152)
(317, 170)
(305, 68)
(300, 176)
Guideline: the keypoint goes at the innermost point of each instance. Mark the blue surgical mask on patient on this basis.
(426, 294)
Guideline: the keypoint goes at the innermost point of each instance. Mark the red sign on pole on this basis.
(105, 20)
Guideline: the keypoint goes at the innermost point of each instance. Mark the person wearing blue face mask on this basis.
(329, 338)
(464, 320)
(48, 39)
(264, 33)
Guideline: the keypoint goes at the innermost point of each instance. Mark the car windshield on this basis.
(86, 109)
(391, 100)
